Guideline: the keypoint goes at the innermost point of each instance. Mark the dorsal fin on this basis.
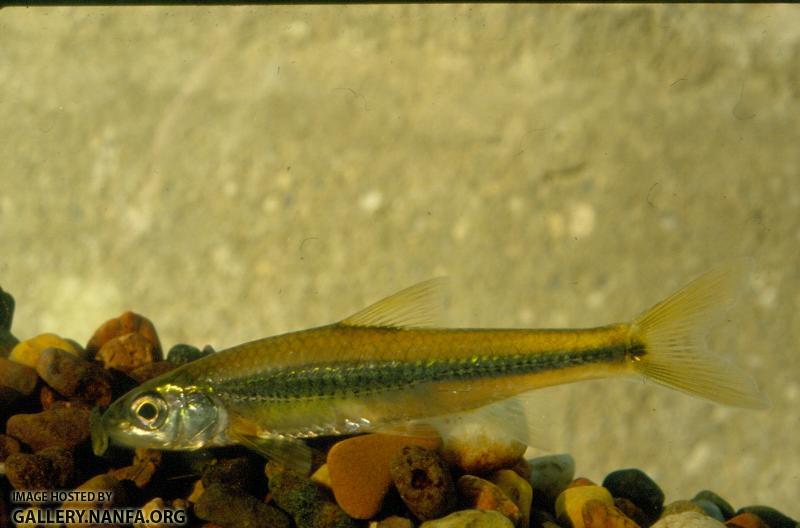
(416, 306)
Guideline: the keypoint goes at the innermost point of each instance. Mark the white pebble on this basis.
(688, 520)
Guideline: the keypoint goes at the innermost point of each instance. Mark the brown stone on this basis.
(127, 323)
(17, 377)
(359, 470)
(423, 480)
(128, 352)
(151, 370)
(631, 510)
(8, 446)
(480, 494)
(74, 377)
(597, 514)
(62, 427)
(746, 520)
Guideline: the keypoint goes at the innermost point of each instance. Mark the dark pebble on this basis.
(62, 463)
(141, 471)
(231, 508)
(74, 377)
(711, 509)
(724, 507)
(635, 485)
(631, 510)
(29, 472)
(303, 500)
(61, 427)
(181, 354)
(238, 473)
(6, 310)
(771, 516)
(424, 482)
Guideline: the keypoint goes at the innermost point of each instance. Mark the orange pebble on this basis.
(580, 481)
(359, 470)
(746, 520)
(127, 323)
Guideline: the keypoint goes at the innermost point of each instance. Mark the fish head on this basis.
(163, 414)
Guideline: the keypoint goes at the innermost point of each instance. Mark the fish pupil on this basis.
(147, 411)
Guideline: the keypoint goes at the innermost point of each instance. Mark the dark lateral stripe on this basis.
(327, 380)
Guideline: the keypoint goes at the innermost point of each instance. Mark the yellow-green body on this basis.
(383, 370)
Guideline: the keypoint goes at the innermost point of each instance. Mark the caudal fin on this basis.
(676, 354)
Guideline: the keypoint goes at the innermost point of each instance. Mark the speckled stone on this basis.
(680, 506)
(392, 522)
(151, 370)
(127, 323)
(569, 504)
(517, 489)
(746, 520)
(304, 500)
(550, 475)
(57, 427)
(25, 471)
(27, 352)
(128, 352)
(597, 514)
(423, 481)
(471, 519)
(239, 472)
(723, 505)
(359, 470)
(480, 453)
(231, 508)
(634, 484)
(8, 446)
(771, 516)
(74, 377)
(18, 379)
(687, 519)
(62, 463)
(480, 494)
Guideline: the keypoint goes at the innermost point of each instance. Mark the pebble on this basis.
(6, 310)
(8, 446)
(359, 470)
(181, 354)
(75, 377)
(27, 352)
(481, 494)
(29, 472)
(632, 511)
(392, 522)
(19, 378)
(523, 469)
(62, 462)
(151, 370)
(581, 481)
(771, 516)
(634, 484)
(710, 509)
(303, 500)
(322, 476)
(127, 323)
(471, 519)
(103, 482)
(569, 504)
(480, 453)
(238, 473)
(746, 520)
(681, 506)
(128, 352)
(687, 519)
(724, 507)
(141, 471)
(424, 482)
(597, 514)
(550, 475)
(517, 489)
(57, 427)
(155, 504)
(231, 508)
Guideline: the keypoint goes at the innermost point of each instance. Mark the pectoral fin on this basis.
(288, 452)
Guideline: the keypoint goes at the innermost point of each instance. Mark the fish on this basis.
(390, 368)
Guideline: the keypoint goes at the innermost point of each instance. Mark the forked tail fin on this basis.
(673, 335)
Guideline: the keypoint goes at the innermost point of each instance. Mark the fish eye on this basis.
(149, 410)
